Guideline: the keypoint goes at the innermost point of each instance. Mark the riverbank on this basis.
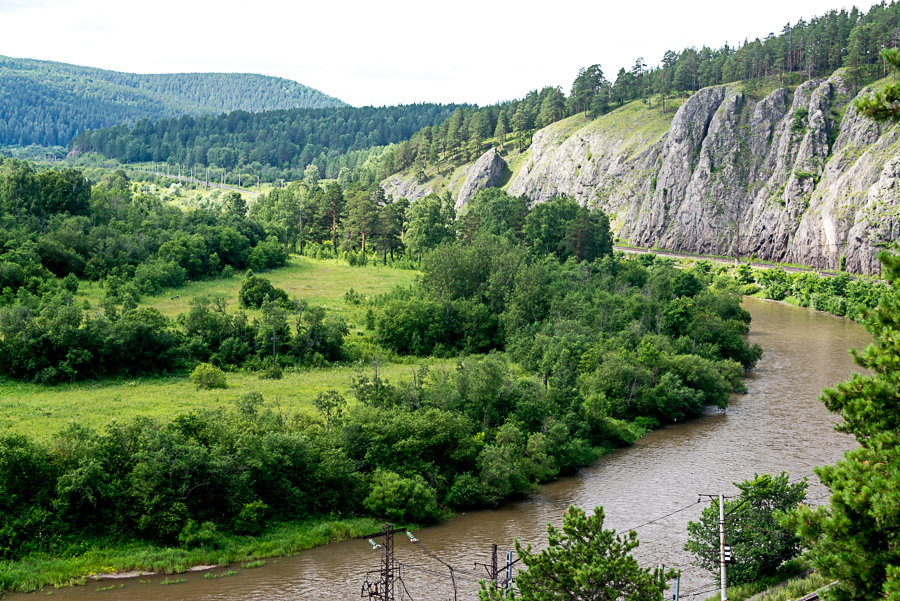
(92, 563)
(805, 351)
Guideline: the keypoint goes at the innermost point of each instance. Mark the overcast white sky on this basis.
(390, 51)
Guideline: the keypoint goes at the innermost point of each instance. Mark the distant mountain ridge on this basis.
(49, 103)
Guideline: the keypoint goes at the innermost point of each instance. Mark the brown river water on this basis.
(778, 425)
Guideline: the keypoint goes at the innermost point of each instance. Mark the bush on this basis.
(268, 255)
(251, 519)
(70, 283)
(466, 492)
(200, 535)
(208, 376)
(402, 500)
(151, 277)
(255, 289)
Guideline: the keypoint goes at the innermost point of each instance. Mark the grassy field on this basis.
(317, 282)
(43, 410)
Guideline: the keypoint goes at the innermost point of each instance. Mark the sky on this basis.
(392, 51)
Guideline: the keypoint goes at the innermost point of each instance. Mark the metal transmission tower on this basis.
(383, 588)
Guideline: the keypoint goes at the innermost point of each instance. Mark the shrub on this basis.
(255, 289)
(251, 519)
(466, 492)
(401, 499)
(70, 282)
(200, 535)
(208, 376)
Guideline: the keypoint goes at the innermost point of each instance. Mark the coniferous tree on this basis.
(583, 561)
(332, 207)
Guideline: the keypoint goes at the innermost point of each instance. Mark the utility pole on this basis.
(724, 552)
(492, 569)
(722, 544)
(383, 590)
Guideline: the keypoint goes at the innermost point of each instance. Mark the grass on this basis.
(42, 411)
(317, 282)
(33, 572)
(211, 576)
(786, 584)
(253, 564)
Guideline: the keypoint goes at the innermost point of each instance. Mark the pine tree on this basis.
(332, 207)
(502, 129)
(584, 562)
(520, 123)
(362, 216)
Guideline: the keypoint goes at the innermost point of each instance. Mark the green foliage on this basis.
(800, 115)
(583, 561)
(208, 376)
(255, 290)
(331, 405)
(251, 519)
(839, 295)
(328, 139)
(852, 539)
(200, 535)
(401, 500)
(759, 544)
(884, 104)
(566, 229)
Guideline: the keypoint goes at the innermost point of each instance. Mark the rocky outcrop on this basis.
(793, 176)
(484, 173)
(405, 185)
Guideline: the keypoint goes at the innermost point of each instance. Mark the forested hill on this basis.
(280, 143)
(49, 103)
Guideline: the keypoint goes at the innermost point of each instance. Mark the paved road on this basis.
(668, 253)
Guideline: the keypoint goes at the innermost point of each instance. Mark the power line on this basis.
(667, 515)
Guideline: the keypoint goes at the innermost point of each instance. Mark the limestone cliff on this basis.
(793, 176)
(484, 173)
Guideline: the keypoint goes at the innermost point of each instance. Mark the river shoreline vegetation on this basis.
(533, 350)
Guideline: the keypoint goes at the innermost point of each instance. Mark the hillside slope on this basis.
(49, 103)
(794, 176)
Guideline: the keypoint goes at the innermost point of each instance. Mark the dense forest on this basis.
(849, 39)
(278, 143)
(49, 103)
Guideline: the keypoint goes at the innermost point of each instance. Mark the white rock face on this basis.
(795, 177)
(484, 173)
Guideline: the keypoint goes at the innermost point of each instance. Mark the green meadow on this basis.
(41, 411)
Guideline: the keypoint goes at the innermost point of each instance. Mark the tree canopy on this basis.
(584, 561)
